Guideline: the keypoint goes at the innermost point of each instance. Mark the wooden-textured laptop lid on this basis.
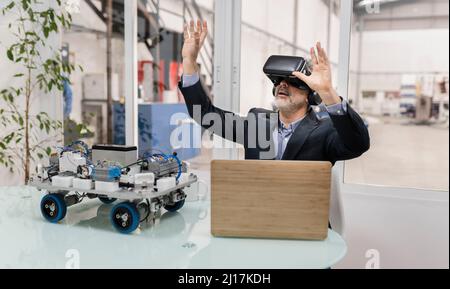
(270, 199)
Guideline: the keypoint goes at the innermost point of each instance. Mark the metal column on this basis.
(109, 25)
(131, 92)
(358, 94)
(344, 46)
(336, 207)
(227, 63)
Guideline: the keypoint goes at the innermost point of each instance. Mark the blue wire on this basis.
(179, 166)
(70, 148)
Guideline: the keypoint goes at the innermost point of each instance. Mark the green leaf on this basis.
(9, 137)
(11, 5)
(25, 4)
(2, 146)
(48, 151)
(10, 55)
(18, 75)
(54, 27)
(79, 128)
(31, 14)
(40, 156)
(46, 32)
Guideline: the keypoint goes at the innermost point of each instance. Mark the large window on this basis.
(95, 42)
(399, 83)
(98, 92)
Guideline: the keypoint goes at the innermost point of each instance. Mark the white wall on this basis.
(387, 55)
(406, 50)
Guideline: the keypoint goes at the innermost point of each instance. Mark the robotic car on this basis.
(109, 172)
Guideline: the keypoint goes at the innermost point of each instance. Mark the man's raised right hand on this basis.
(194, 38)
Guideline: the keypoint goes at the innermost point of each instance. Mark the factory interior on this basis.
(389, 61)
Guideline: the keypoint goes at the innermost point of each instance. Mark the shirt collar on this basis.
(293, 126)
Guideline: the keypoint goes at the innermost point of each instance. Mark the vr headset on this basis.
(279, 68)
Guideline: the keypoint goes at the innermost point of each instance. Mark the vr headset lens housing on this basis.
(291, 81)
(279, 68)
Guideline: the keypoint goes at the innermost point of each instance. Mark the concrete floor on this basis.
(403, 155)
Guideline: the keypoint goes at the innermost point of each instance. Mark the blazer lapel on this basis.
(301, 134)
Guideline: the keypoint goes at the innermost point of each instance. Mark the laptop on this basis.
(270, 199)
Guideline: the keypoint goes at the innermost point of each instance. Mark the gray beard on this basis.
(290, 108)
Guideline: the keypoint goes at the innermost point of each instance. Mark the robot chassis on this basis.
(110, 173)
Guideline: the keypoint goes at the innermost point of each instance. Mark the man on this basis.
(297, 134)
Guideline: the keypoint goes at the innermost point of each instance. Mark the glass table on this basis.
(86, 239)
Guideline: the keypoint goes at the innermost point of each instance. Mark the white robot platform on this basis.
(112, 173)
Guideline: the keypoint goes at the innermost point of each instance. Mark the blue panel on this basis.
(155, 129)
(118, 124)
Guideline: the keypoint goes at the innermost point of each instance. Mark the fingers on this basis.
(204, 33)
(303, 77)
(322, 54)
(199, 26)
(192, 28)
(186, 32)
(314, 58)
(318, 55)
(197, 30)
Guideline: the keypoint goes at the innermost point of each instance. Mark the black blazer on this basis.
(332, 139)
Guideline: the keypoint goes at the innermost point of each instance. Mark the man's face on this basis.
(289, 98)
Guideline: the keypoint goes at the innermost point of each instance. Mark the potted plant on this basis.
(26, 135)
